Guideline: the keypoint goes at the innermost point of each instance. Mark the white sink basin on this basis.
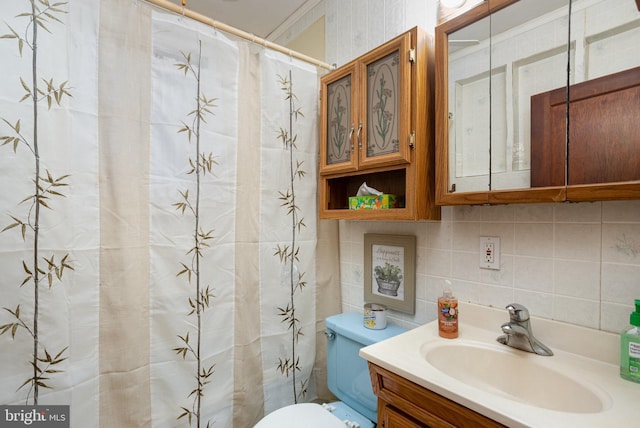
(511, 374)
(579, 386)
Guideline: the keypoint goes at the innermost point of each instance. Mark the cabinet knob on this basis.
(358, 136)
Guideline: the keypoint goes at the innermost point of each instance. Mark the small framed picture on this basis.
(390, 270)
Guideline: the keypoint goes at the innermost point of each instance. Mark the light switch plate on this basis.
(490, 252)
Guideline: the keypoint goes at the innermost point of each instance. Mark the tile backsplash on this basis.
(577, 263)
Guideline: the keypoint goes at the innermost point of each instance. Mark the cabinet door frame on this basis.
(327, 127)
(401, 45)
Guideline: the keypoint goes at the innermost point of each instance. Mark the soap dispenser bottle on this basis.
(630, 348)
(448, 315)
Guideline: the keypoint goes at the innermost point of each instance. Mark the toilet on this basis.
(347, 378)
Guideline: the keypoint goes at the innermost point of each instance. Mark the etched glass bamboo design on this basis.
(339, 129)
(339, 114)
(42, 270)
(288, 253)
(201, 165)
(382, 112)
(383, 117)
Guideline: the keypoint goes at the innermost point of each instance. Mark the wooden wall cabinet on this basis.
(377, 127)
(403, 404)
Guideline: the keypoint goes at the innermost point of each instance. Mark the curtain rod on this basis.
(165, 4)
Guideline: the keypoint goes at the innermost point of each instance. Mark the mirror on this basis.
(469, 115)
(494, 61)
(528, 56)
(603, 144)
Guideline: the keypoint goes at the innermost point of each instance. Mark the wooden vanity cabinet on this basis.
(404, 404)
(377, 127)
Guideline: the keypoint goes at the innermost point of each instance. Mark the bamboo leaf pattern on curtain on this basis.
(24, 136)
(199, 166)
(192, 229)
(288, 229)
(288, 253)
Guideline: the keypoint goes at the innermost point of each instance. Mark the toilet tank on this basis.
(347, 372)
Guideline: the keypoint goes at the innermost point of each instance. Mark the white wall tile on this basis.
(505, 231)
(498, 213)
(503, 276)
(621, 243)
(464, 265)
(577, 278)
(620, 283)
(395, 22)
(331, 34)
(534, 213)
(576, 311)
(375, 24)
(533, 274)
(357, 251)
(615, 317)
(466, 236)
(533, 239)
(439, 235)
(435, 287)
(578, 213)
(467, 213)
(438, 262)
(493, 295)
(467, 291)
(578, 241)
(421, 286)
(343, 32)
(359, 24)
(422, 13)
(621, 211)
(539, 304)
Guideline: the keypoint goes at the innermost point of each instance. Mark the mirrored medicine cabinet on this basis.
(538, 101)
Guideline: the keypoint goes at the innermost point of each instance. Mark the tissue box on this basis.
(372, 202)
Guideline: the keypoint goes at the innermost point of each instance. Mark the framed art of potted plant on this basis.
(389, 271)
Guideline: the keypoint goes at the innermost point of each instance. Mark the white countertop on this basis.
(589, 357)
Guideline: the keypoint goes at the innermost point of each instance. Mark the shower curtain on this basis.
(183, 167)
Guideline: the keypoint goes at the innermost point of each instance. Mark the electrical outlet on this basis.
(490, 252)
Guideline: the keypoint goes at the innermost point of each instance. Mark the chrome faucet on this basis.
(518, 334)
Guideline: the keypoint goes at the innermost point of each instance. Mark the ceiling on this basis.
(258, 17)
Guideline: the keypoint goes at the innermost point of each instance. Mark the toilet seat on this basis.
(307, 415)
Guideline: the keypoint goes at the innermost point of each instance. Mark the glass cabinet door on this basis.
(384, 128)
(469, 107)
(339, 121)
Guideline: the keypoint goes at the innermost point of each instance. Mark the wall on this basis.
(311, 41)
(578, 263)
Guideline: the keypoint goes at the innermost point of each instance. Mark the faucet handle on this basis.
(517, 312)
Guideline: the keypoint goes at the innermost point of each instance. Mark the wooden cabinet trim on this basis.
(422, 404)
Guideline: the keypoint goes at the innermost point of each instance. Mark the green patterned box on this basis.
(372, 202)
